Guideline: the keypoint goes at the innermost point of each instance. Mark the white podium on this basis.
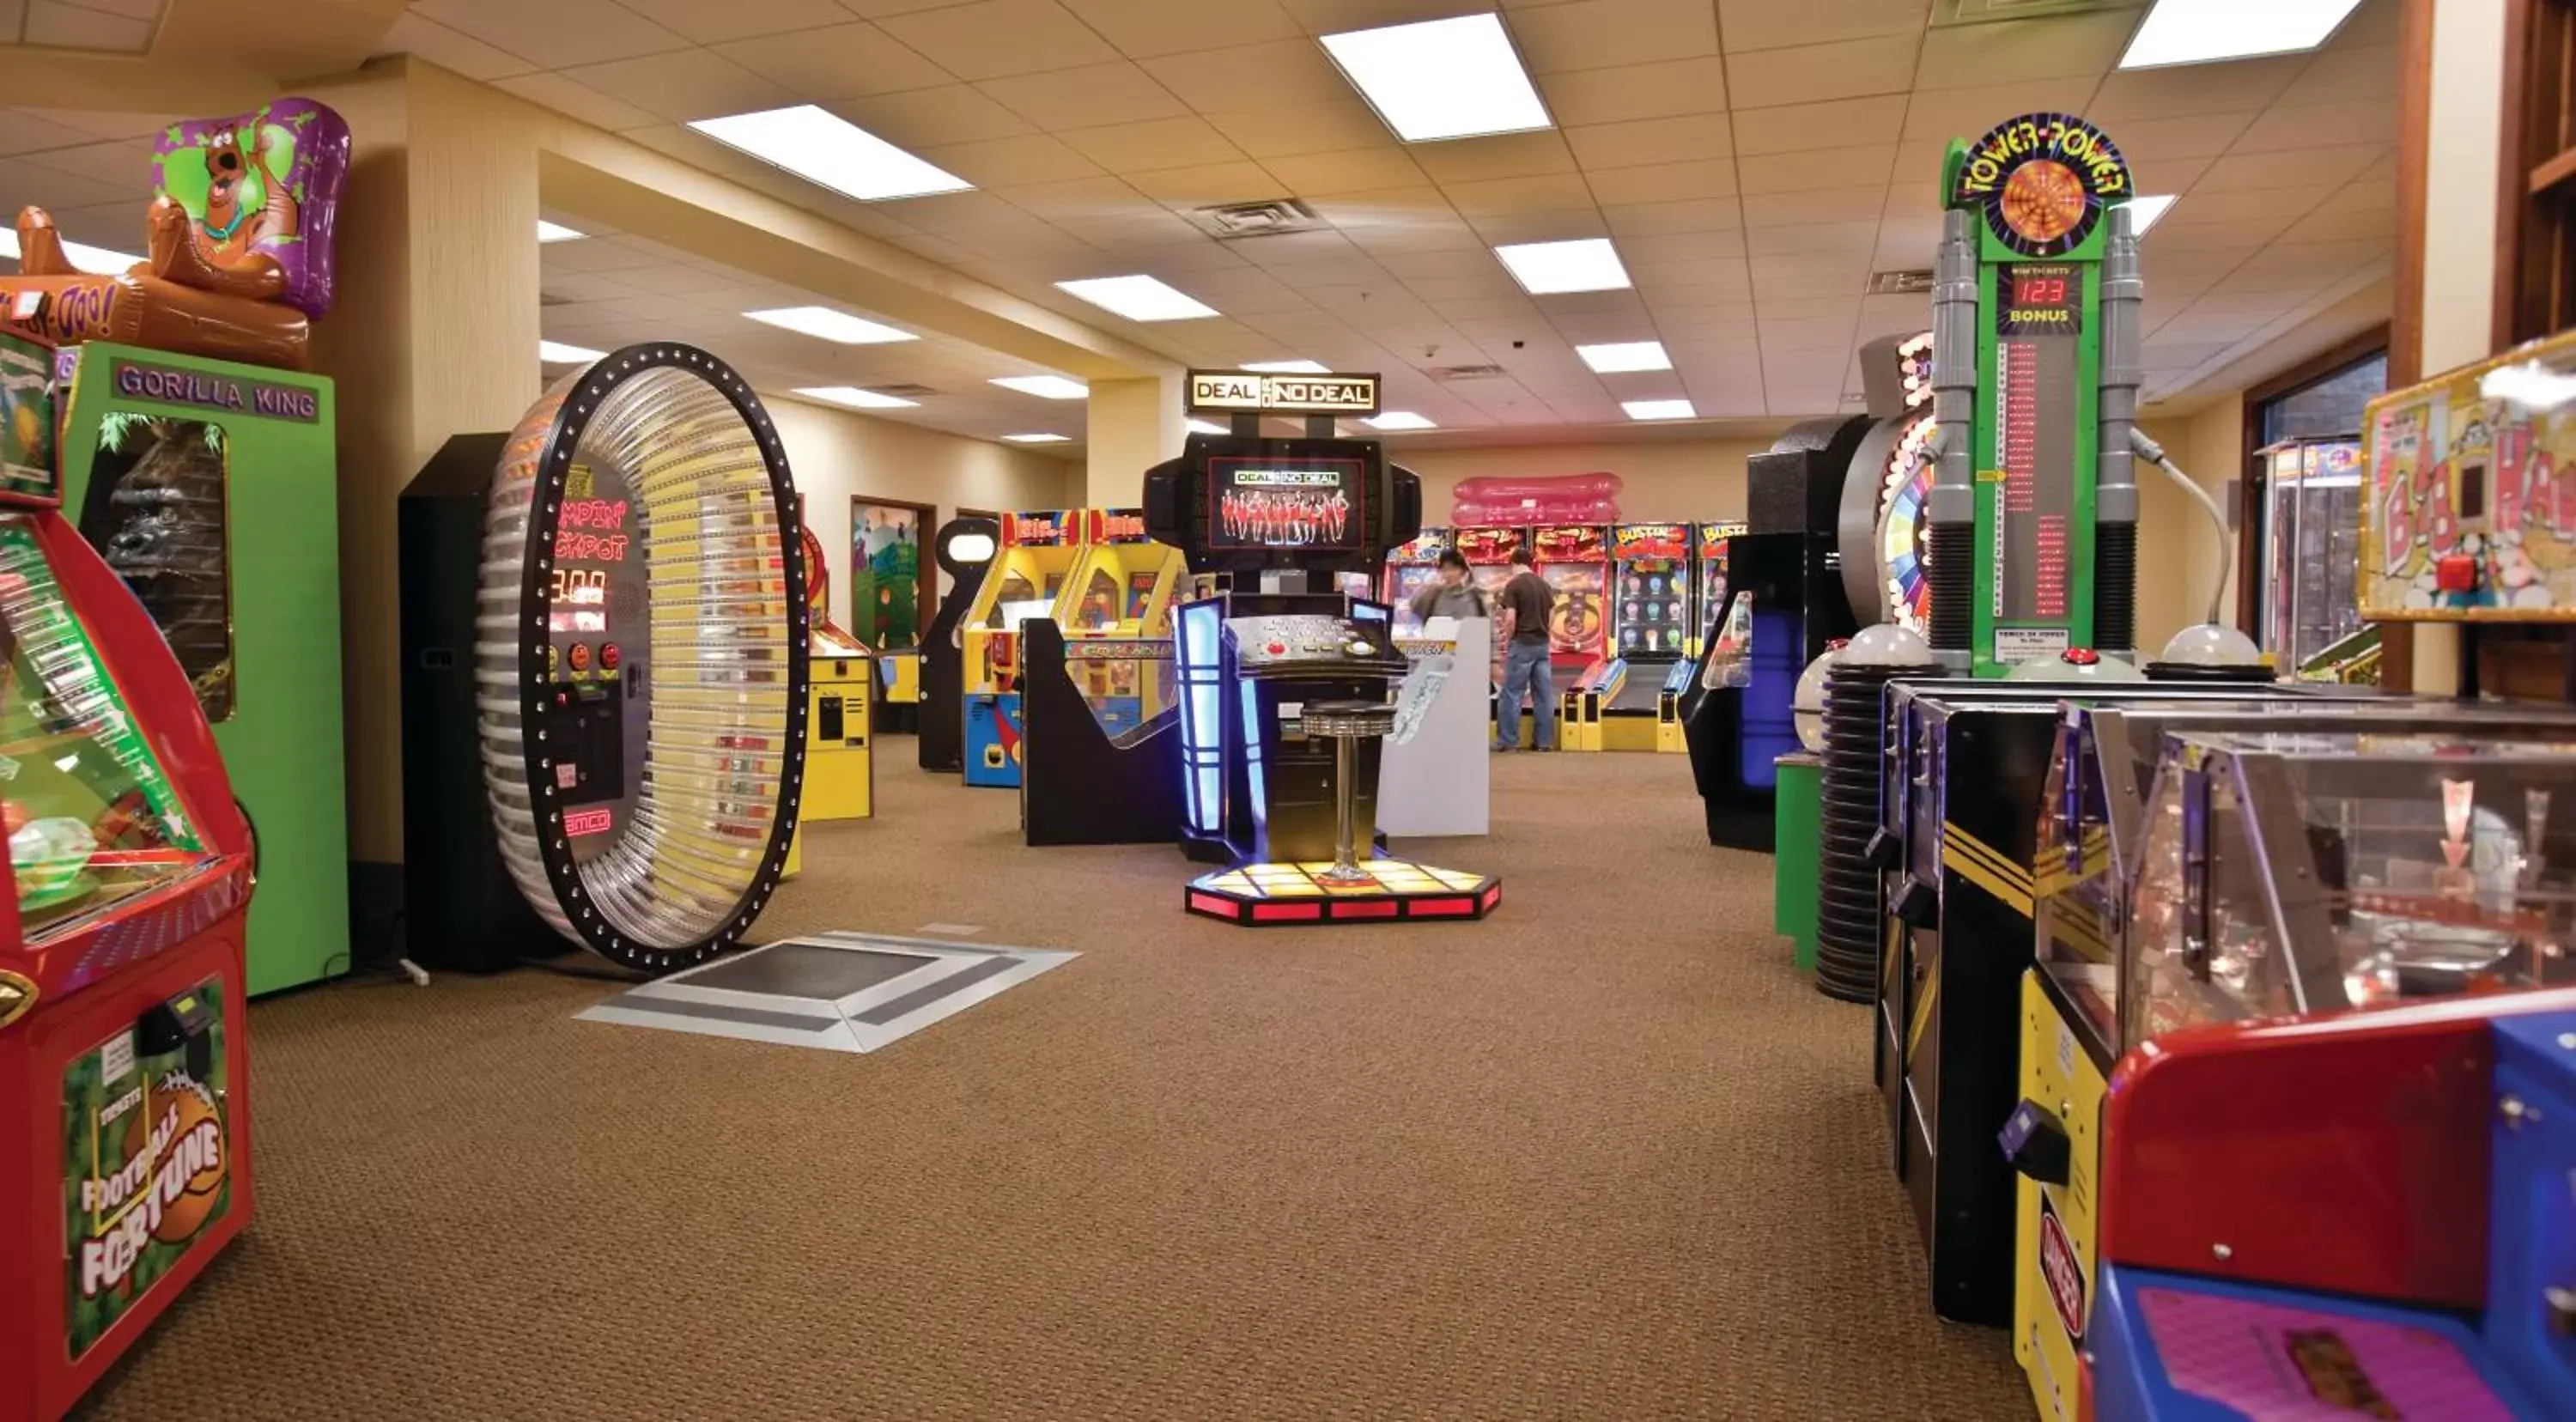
(1439, 782)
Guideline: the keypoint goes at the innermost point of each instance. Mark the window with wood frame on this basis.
(2536, 227)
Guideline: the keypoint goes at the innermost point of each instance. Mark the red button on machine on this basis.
(608, 657)
(1278, 649)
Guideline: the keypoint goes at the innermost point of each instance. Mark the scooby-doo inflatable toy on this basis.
(239, 237)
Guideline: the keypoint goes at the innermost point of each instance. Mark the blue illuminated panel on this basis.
(1769, 728)
(1197, 635)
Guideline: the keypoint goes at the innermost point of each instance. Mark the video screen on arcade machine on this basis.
(1287, 503)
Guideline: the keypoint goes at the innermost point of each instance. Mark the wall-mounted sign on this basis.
(1243, 392)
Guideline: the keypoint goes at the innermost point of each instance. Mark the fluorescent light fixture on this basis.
(1199, 426)
(1625, 355)
(1288, 367)
(1399, 420)
(2144, 211)
(1659, 409)
(1037, 438)
(1138, 298)
(1543, 268)
(856, 398)
(557, 232)
(831, 325)
(822, 147)
(103, 260)
(557, 353)
(2203, 31)
(1441, 78)
(1045, 387)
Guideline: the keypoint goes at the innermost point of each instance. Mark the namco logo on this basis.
(2065, 1278)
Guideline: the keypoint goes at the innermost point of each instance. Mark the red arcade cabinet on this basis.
(124, 1133)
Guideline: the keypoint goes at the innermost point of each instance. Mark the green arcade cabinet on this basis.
(211, 489)
(2033, 537)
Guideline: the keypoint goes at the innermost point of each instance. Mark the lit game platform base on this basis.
(1278, 895)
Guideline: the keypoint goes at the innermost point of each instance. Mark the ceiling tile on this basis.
(1549, 193)
(2239, 172)
(2370, 120)
(1281, 73)
(1798, 128)
(1650, 219)
(1325, 17)
(1352, 170)
(836, 62)
(710, 21)
(1941, 114)
(449, 49)
(1821, 205)
(554, 34)
(1560, 225)
(1142, 29)
(1209, 184)
(579, 100)
(1966, 56)
(1029, 158)
(923, 118)
(1664, 182)
(1318, 127)
(2166, 175)
(1643, 141)
(1153, 143)
(2338, 73)
(2193, 136)
(1859, 235)
(1079, 98)
(687, 84)
(1657, 250)
(1000, 37)
(1822, 168)
(1627, 92)
(1510, 155)
(1771, 24)
(1598, 34)
(1847, 69)
(2234, 87)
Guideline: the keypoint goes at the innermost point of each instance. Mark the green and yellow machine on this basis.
(212, 489)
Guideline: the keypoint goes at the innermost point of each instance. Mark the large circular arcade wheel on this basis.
(640, 663)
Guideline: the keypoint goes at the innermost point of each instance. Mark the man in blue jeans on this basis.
(1527, 599)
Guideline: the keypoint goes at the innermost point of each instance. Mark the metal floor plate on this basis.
(842, 992)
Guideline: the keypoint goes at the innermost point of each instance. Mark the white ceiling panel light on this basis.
(1659, 409)
(103, 260)
(1045, 387)
(558, 353)
(1287, 367)
(1548, 268)
(1456, 78)
(1625, 355)
(1037, 438)
(822, 147)
(827, 324)
(2144, 211)
(1138, 298)
(557, 232)
(856, 398)
(1399, 420)
(2205, 31)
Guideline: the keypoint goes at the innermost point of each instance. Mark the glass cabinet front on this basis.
(2312, 552)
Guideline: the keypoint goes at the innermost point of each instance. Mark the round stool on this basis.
(1345, 722)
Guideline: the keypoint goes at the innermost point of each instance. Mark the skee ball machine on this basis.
(1027, 580)
(211, 489)
(1410, 568)
(2032, 518)
(606, 630)
(124, 1127)
(1286, 681)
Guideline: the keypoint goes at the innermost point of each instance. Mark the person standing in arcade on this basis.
(1449, 593)
(1526, 600)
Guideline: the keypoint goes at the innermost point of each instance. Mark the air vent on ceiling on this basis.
(1912, 282)
(1269, 218)
(907, 392)
(1986, 12)
(1467, 372)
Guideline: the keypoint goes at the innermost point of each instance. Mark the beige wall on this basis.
(837, 454)
(1664, 481)
(2177, 550)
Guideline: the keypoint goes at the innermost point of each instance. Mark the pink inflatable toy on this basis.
(1487, 501)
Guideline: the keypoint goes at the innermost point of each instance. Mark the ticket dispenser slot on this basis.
(589, 737)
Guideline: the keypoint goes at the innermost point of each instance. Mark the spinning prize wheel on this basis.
(640, 663)
(1883, 525)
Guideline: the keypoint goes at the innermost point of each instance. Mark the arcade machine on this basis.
(1028, 579)
(1574, 558)
(1409, 569)
(1100, 750)
(1285, 688)
(2312, 549)
(125, 1161)
(1623, 701)
(1708, 578)
(641, 754)
(2266, 881)
(1883, 524)
(1488, 552)
(840, 772)
(965, 548)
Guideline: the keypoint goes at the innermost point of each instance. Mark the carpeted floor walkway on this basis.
(1605, 1155)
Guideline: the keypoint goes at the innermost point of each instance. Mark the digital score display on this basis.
(1287, 504)
(2039, 319)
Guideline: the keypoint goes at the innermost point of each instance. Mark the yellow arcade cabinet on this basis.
(840, 772)
(1122, 586)
(1030, 578)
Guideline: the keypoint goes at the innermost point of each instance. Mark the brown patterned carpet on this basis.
(1604, 1155)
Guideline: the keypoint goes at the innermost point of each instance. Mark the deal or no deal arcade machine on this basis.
(124, 1145)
